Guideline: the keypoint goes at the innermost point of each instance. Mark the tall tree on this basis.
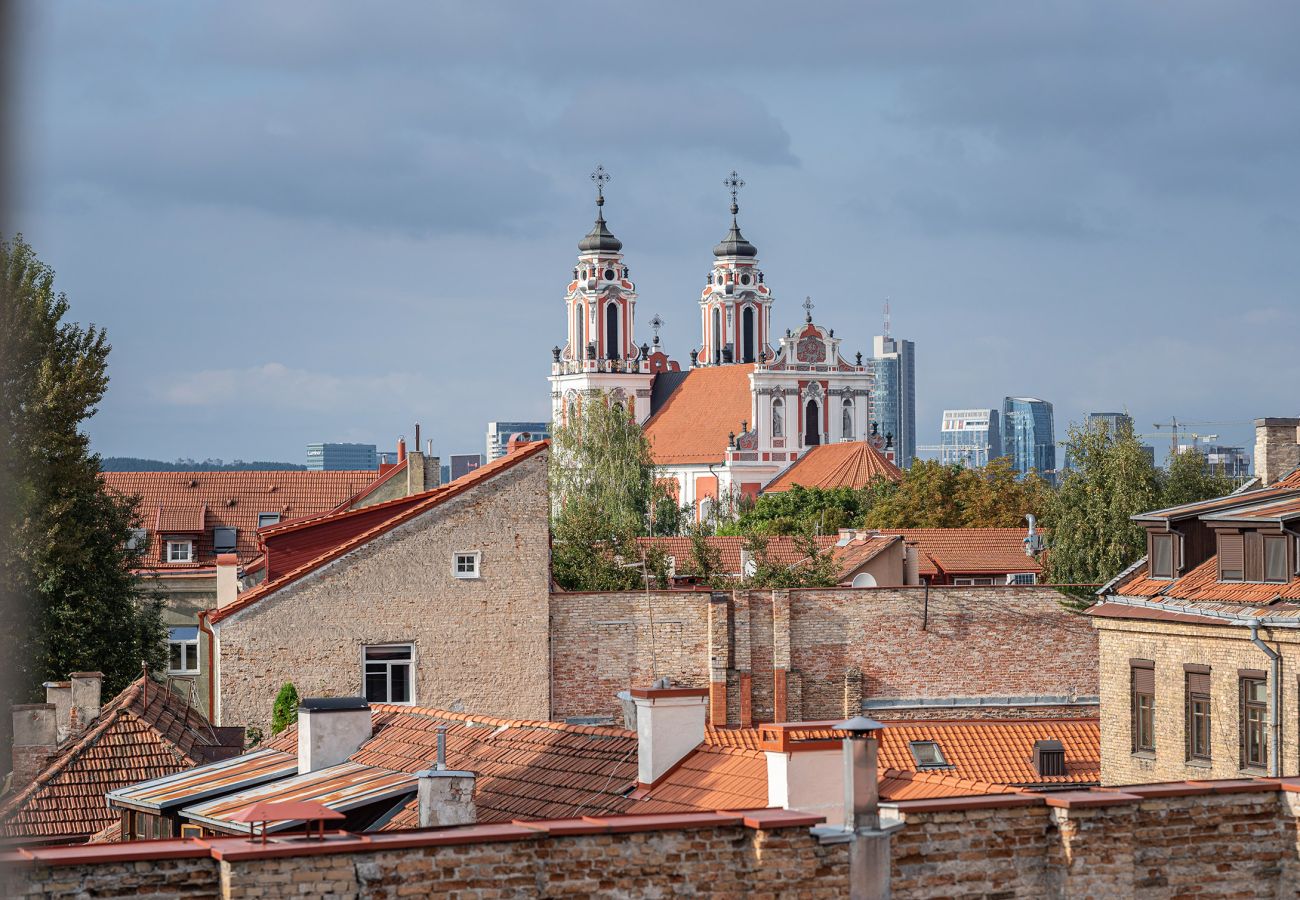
(602, 489)
(74, 602)
(800, 509)
(1188, 479)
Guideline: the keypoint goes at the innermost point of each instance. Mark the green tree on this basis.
(73, 602)
(1110, 480)
(815, 568)
(603, 487)
(285, 711)
(800, 509)
(1188, 480)
(925, 498)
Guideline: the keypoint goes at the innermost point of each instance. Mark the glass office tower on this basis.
(969, 437)
(893, 394)
(1028, 435)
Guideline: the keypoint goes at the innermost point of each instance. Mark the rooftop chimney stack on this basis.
(669, 725)
(35, 741)
(330, 729)
(446, 797)
(60, 694)
(401, 449)
(86, 693)
(227, 579)
(1277, 448)
(806, 776)
(869, 856)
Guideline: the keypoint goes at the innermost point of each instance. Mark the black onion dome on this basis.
(600, 237)
(734, 244)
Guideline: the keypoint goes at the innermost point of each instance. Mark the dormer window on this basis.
(1162, 556)
(1232, 554)
(1275, 568)
(180, 550)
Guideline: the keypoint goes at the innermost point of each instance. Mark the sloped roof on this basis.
(851, 464)
(693, 424)
(969, 550)
(144, 732)
(197, 502)
(351, 529)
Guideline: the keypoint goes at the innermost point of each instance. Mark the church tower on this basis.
(735, 306)
(600, 353)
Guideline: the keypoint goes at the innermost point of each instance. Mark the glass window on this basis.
(1022, 578)
(388, 673)
(1144, 708)
(267, 519)
(180, 551)
(1162, 556)
(183, 650)
(1254, 712)
(138, 540)
(927, 754)
(465, 565)
(1198, 720)
(1275, 559)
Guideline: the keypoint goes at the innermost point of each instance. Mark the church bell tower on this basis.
(736, 305)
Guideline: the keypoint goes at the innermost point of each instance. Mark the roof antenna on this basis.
(887, 317)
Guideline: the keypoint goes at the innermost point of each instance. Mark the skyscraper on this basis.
(499, 434)
(1028, 435)
(1114, 421)
(893, 393)
(337, 457)
(969, 437)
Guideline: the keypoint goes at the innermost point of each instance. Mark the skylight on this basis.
(927, 755)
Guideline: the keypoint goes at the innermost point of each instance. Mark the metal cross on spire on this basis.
(735, 183)
(808, 308)
(601, 178)
(656, 323)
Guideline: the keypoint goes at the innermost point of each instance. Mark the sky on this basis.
(327, 221)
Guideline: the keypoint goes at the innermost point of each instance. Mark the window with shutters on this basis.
(1143, 679)
(1231, 557)
(1275, 569)
(1162, 556)
(1254, 712)
(1198, 712)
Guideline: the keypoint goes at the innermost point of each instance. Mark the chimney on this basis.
(1277, 448)
(669, 725)
(807, 776)
(60, 694)
(227, 579)
(869, 855)
(415, 472)
(401, 449)
(911, 564)
(35, 741)
(86, 691)
(446, 796)
(330, 729)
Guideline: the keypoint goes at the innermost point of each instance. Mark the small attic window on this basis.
(223, 539)
(1162, 556)
(266, 519)
(1049, 758)
(927, 754)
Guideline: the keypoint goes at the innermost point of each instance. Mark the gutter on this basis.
(1275, 697)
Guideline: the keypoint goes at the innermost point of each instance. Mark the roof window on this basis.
(1162, 556)
(223, 540)
(266, 519)
(927, 754)
(1049, 758)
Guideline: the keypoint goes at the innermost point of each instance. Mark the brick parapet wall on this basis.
(806, 654)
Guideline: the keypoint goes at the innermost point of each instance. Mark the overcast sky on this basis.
(326, 221)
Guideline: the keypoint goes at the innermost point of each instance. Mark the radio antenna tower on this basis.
(886, 318)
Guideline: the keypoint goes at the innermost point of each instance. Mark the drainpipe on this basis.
(1275, 696)
(212, 665)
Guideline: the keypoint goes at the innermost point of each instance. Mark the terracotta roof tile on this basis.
(693, 424)
(197, 502)
(851, 464)
(140, 734)
(970, 550)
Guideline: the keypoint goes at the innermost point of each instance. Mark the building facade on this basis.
(500, 433)
(969, 437)
(340, 457)
(893, 393)
(1232, 462)
(461, 464)
(1029, 435)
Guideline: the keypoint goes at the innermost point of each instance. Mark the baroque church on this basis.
(753, 406)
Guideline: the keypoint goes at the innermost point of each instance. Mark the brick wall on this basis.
(480, 644)
(813, 654)
(1225, 649)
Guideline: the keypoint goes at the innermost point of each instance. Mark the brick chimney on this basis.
(330, 729)
(86, 694)
(227, 579)
(60, 694)
(35, 741)
(669, 725)
(446, 796)
(1277, 448)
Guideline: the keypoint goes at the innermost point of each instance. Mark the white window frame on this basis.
(389, 664)
(189, 653)
(459, 555)
(187, 543)
(1022, 578)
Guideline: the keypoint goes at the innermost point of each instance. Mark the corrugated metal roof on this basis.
(195, 784)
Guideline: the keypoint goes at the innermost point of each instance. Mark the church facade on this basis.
(751, 402)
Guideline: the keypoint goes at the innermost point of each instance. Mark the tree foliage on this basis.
(934, 495)
(72, 600)
(799, 510)
(815, 568)
(603, 487)
(285, 711)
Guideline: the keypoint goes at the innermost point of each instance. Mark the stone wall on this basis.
(1226, 839)
(819, 653)
(1225, 649)
(480, 644)
(1277, 448)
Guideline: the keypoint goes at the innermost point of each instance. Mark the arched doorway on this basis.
(812, 424)
(747, 335)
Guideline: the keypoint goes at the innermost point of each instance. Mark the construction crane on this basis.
(1174, 425)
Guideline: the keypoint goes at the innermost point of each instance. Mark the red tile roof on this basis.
(350, 529)
(693, 425)
(144, 732)
(197, 502)
(851, 464)
(969, 550)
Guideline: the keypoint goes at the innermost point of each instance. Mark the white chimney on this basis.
(86, 691)
(35, 741)
(803, 775)
(911, 564)
(59, 693)
(227, 579)
(446, 796)
(669, 725)
(330, 729)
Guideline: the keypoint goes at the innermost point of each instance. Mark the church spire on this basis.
(734, 244)
(600, 239)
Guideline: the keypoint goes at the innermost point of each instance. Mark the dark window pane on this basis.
(377, 686)
(176, 661)
(378, 653)
(401, 684)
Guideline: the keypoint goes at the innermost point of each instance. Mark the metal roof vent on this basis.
(1049, 758)
(223, 539)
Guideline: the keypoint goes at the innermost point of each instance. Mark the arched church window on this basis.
(778, 417)
(747, 335)
(611, 330)
(847, 423)
(716, 356)
(578, 336)
(812, 430)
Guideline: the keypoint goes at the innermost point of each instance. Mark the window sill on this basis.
(1200, 764)
(1253, 772)
(464, 577)
(1144, 754)
(183, 673)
